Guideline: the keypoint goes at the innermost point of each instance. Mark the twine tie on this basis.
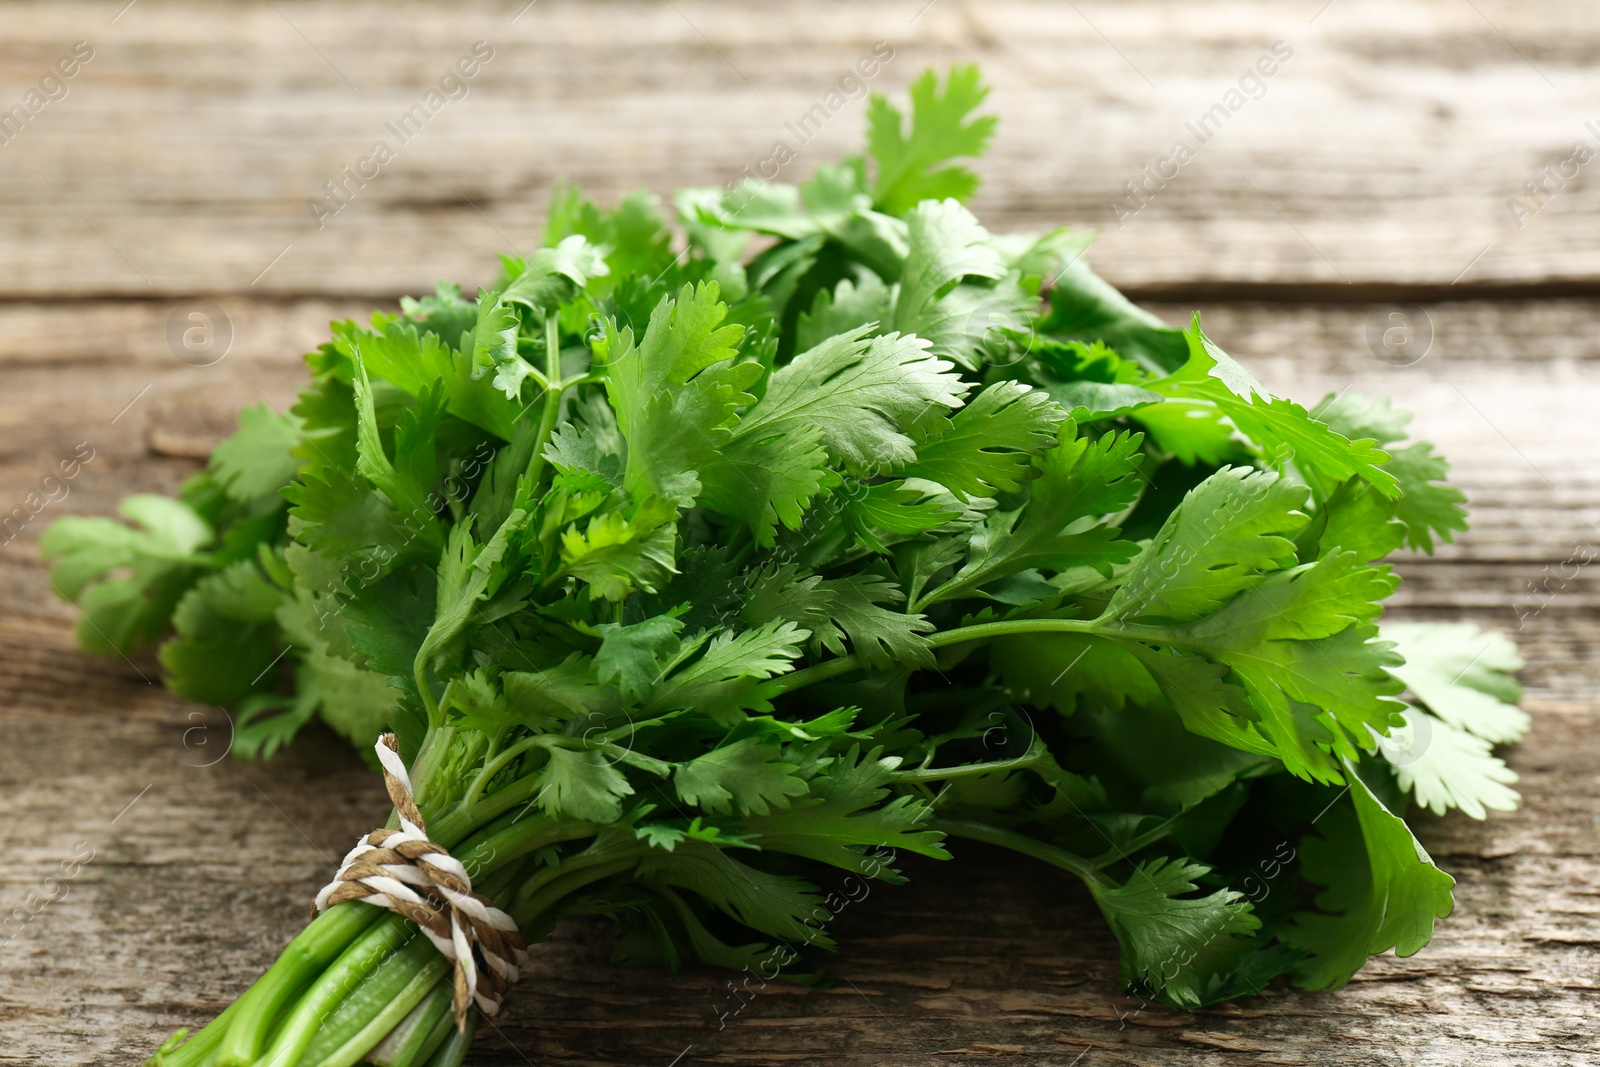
(403, 871)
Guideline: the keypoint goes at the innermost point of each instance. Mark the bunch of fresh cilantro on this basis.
(684, 574)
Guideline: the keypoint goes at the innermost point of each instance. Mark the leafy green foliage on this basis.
(1079, 481)
(745, 776)
(227, 636)
(991, 441)
(1172, 940)
(258, 460)
(913, 164)
(127, 579)
(1461, 680)
(1463, 675)
(1383, 891)
(693, 582)
(1229, 529)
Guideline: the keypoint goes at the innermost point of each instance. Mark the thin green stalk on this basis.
(982, 631)
(492, 848)
(819, 672)
(354, 966)
(493, 765)
(321, 942)
(994, 835)
(1129, 631)
(552, 397)
(966, 770)
(378, 1004)
(452, 827)
(356, 1017)
(453, 1053)
(439, 749)
(419, 674)
(1146, 839)
(421, 1032)
(198, 1047)
(292, 1002)
(541, 893)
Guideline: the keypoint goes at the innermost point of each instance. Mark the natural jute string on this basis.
(405, 872)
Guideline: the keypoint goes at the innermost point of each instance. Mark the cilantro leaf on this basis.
(1080, 480)
(852, 302)
(1084, 307)
(1445, 767)
(265, 722)
(1229, 529)
(846, 812)
(946, 246)
(908, 160)
(721, 681)
(1171, 940)
(675, 393)
(258, 460)
(849, 400)
(1060, 670)
(782, 906)
(1383, 891)
(991, 442)
(161, 555)
(227, 636)
(881, 636)
(618, 553)
(744, 776)
(1462, 674)
(468, 572)
(412, 360)
(631, 657)
(1427, 507)
(539, 284)
(1283, 430)
(868, 397)
(581, 784)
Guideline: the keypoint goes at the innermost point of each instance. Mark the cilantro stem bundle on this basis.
(693, 581)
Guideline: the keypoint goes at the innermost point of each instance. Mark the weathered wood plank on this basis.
(192, 889)
(1382, 151)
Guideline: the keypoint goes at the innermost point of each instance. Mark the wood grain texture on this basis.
(1376, 166)
(1382, 152)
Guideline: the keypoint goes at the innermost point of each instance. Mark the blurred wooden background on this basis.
(1382, 169)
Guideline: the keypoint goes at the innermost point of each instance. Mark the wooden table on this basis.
(1373, 171)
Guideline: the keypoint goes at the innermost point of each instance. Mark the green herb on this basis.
(692, 583)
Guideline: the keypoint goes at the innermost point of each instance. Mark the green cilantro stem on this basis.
(1141, 841)
(422, 1031)
(983, 631)
(454, 1050)
(832, 668)
(497, 763)
(419, 674)
(543, 892)
(378, 1004)
(198, 1048)
(942, 774)
(342, 950)
(553, 393)
(355, 966)
(318, 945)
(994, 835)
